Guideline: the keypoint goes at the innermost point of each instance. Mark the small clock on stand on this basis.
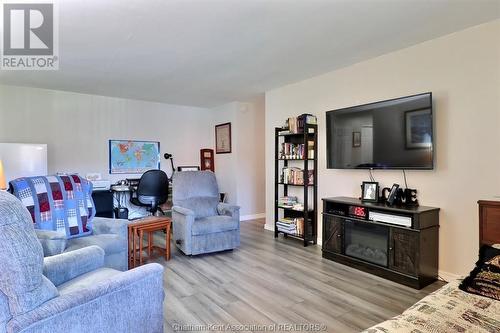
(207, 159)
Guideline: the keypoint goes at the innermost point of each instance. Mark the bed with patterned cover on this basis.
(447, 310)
(451, 309)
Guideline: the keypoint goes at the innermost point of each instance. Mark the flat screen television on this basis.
(392, 134)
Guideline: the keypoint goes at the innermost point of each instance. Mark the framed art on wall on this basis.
(133, 157)
(223, 138)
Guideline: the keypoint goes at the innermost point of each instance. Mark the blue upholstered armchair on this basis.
(69, 292)
(201, 224)
(109, 234)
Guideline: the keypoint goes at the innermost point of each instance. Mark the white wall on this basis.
(77, 127)
(245, 165)
(463, 72)
(226, 164)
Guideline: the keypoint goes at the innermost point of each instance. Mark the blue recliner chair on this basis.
(69, 292)
(201, 224)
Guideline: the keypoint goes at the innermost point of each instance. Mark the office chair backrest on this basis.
(153, 187)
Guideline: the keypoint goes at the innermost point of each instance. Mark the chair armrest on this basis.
(182, 223)
(66, 266)
(229, 210)
(182, 210)
(53, 242)
(131, 301)
(104, 225)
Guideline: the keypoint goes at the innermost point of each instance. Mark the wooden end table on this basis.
(147, 226)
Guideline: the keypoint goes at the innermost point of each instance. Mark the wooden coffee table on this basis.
(147, 226)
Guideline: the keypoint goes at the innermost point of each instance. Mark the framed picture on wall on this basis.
(223, 138)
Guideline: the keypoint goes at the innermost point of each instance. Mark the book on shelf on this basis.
(295, 176)
(292, 125)
(310, 149)
(289, 225)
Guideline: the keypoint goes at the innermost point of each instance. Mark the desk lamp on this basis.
(3, 183)
(171, 158)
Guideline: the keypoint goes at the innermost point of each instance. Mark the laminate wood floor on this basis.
(268, 281)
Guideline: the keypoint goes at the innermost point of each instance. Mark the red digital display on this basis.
(357, 211)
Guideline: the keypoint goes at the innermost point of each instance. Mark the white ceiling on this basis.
(209, 52)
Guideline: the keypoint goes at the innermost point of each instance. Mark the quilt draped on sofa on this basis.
(61, 203)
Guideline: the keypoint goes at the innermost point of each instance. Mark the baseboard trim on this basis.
(268, 227)
(252, 217)
(447, 276)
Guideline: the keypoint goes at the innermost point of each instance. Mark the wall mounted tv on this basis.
(392, 134)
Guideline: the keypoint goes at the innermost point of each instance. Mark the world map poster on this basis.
(126, 156)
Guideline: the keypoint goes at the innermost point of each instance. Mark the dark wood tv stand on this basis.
(355, 235)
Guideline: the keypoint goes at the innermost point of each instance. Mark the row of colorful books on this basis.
(294, 151)
(295, 176)
(292, 226)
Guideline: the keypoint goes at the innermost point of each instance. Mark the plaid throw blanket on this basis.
(59, 203)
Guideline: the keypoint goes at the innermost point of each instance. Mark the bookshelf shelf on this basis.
(296, 134)
(295, 210)
(300, 181)
(287, 234)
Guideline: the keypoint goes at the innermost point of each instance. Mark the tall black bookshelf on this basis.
(308, 191)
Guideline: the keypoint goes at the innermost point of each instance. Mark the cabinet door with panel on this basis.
(332, 234)
(404, 251)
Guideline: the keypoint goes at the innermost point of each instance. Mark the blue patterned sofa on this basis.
(70, 292)
(62, 211)
(109, 234)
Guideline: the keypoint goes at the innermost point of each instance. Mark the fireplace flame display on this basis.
(368, 242)
(367, 253)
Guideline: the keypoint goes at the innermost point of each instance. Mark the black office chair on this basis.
(152, 190)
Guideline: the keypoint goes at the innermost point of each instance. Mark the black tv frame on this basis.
(374, 167)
